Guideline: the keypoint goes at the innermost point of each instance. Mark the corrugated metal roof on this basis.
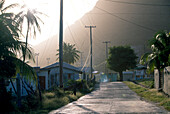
(65, 65)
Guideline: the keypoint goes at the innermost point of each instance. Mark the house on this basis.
(49, 75)
(112, 75)
(26, 84)
(86, 72)
(128, 75)
(140, 72)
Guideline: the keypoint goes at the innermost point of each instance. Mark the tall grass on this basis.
(150, 94)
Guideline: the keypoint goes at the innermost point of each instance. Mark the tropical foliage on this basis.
(32, 19)
(121, 58)
(10, 45)
(10, 49)
(159, 58)
(70, 53)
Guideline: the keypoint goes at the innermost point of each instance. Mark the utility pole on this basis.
(91, 46)
(106, 71)
(61, 44)
(81, 56)
(37, 54)
(48, 60)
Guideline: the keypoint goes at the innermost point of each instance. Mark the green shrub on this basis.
(72, 97)
(50, 95)
(59, 92)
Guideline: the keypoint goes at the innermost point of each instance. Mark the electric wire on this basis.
(125, 20)
(136, 3)
(100, 64)
(86, 60)
(73, 37)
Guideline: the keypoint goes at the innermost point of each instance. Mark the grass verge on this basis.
(148, 83)
(150, 95)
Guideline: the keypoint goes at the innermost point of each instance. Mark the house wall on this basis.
(127, 76)
(44, 73)
(53, 77)
(31, 83)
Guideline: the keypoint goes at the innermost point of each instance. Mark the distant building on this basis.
(49, 75)
(128, 75)
(140, 72)
(86, 72)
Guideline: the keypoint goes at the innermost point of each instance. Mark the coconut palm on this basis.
(160, 56)
(10, 45)
(70, 53)
(31, 17)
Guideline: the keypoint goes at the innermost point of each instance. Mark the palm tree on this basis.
(9, 35)
(31, 17)
(160, 56)
(70, 53)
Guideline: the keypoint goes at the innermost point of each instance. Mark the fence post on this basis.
(18, 90)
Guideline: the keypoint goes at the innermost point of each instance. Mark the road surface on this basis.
(113, 97)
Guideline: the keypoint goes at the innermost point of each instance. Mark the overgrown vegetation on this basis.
(150, 94)
(54, 98)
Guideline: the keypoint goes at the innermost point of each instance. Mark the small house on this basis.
(49, 75)
(128, 75)
(140, 72)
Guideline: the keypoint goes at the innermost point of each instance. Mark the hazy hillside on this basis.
(131, 22)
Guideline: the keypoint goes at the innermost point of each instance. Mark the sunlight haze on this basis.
(73, 10)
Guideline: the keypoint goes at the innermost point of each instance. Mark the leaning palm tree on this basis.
(31, 17)
(10, 45)
(70, 53)
(159, 58)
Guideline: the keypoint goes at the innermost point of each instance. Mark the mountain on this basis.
(130, 22)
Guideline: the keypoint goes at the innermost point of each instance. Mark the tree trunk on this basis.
(39, 88)
(13, 87)
(160, 80)
(121, 76)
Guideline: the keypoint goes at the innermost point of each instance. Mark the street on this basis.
(113, 97)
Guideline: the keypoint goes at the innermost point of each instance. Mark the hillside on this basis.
(132, 22)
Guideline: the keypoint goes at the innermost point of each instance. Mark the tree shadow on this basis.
(87, 109)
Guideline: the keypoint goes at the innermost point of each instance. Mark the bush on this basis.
(49, 95)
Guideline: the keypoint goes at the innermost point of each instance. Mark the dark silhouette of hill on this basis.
(121, 22)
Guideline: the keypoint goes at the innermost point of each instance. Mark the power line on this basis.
(73, 37)
(86, 60)
(131, 14)
(100, 64)
(141, 26)
(135, 3)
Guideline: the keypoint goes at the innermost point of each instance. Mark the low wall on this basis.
(166, 80)
(166, 87)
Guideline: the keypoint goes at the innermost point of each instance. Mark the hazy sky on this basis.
(73, 10)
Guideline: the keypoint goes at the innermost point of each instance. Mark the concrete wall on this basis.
(166, 80)
(156, 78)
(166, 87)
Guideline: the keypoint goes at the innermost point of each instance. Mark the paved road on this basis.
(113, 97)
